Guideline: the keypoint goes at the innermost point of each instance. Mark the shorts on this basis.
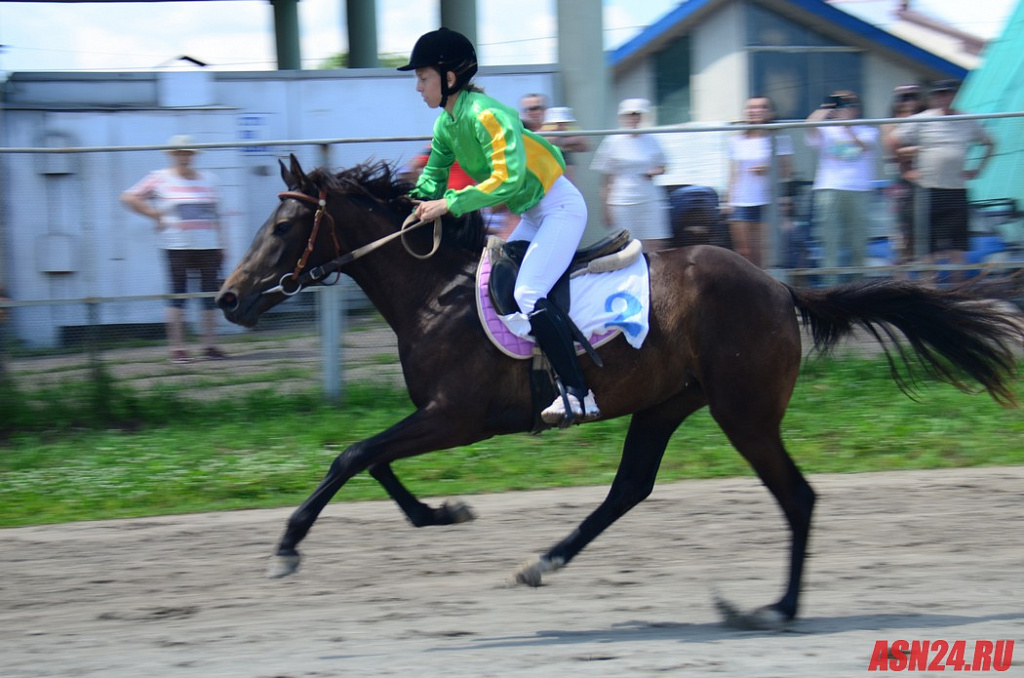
(751, 213)
(948, 217)
(204, 262)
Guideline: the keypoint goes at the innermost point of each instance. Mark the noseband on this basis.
(314, 275)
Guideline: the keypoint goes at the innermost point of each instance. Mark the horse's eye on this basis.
(282, 227)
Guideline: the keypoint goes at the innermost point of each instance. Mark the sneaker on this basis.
(588, 411)
(180, 357)
(214, 353)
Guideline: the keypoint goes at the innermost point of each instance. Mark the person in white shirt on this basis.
(183, 204)
(847, 167)
(750, 190)
(629, 163)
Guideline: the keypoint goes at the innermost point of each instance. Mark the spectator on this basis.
(629, 163)
(847, 159)
(183, 204)
(750, 189)
(560, 119)
(907, 100)
(531, 111)
(940, 148)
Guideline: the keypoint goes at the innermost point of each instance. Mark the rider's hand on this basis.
(431, 209)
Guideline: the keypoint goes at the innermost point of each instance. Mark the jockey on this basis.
(514, 166)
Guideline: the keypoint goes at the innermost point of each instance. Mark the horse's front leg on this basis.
(426, 430)
(418, 513)
(649, 433)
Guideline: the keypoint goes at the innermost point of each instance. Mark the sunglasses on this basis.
(534, 108)
(908, 97)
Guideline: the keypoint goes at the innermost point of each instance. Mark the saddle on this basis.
(611, 253)
(503, 260)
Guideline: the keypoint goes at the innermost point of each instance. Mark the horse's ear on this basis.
(294, 178)
(287, 177)
(297, 172)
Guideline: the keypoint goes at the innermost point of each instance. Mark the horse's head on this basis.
(275, 251)
(301, 241)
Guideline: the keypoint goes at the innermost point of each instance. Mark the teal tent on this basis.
(997, 86)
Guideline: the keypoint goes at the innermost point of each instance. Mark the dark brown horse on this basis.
(723, 334)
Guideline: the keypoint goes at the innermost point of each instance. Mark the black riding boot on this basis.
(576, 403)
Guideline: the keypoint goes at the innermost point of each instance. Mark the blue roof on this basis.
(813, 9)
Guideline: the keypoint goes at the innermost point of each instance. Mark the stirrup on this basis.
(581, 410)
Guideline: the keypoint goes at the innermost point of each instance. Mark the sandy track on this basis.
(912, 555)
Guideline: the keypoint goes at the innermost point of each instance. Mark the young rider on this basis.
(514, 166)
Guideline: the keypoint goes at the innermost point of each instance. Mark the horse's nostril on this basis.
(227, 301)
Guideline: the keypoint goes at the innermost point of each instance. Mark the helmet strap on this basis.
(445, 90)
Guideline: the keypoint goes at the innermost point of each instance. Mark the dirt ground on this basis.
(907, 555)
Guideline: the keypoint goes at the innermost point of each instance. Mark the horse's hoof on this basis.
(282, 566)
(765, 618)
(531, 572)
(459, 511)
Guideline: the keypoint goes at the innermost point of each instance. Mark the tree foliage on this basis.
(340, 60)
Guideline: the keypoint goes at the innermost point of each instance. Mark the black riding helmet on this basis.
(445, 50)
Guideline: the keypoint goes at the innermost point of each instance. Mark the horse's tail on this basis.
(953, 333)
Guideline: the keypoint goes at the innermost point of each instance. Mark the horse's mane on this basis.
(378, 182)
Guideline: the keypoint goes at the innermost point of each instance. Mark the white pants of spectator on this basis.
(554, 228)
(645, 220)
(842, 218)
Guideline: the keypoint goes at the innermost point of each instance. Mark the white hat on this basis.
(558, 114)
(184, 142)
(634, 106)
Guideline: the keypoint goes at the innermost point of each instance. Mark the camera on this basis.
(833, 101)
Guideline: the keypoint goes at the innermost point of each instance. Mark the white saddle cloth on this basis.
(603, 306)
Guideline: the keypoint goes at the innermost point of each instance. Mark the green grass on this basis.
(103, 450)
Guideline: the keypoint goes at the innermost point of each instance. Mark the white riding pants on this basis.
(554, 228)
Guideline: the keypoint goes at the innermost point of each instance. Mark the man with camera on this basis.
(847, 164)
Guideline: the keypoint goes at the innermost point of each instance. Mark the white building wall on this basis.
(65, 234)
(719, 63)
(881, 76)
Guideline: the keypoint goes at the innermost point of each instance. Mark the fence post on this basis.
(772, 226)
(332, 311)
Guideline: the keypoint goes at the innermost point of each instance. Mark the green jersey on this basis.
(510, 164)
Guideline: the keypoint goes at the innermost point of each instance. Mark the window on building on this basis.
(796, 66)
(672, 82)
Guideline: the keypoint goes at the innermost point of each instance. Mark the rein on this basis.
(299, 280)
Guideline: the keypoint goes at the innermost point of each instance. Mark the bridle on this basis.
(299, 280)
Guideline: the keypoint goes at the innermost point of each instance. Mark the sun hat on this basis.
(558, 114)
(634, 106)
(183, 142)
(907, 89)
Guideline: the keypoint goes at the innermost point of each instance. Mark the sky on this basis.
(238, 34)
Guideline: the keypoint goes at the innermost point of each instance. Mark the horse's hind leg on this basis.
(761, 445)
(649, 433)
(418, 513)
